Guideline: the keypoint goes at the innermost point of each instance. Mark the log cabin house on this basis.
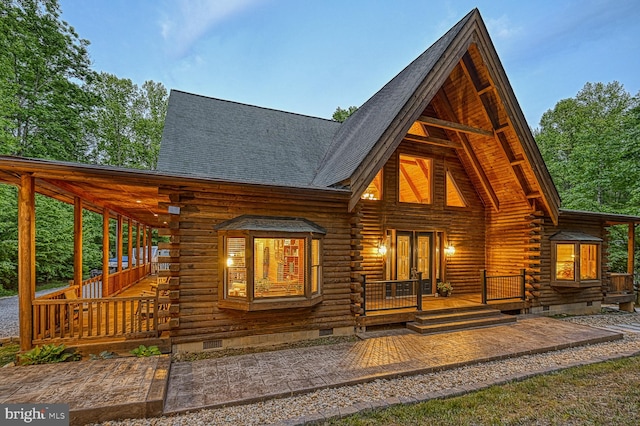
(284, 227)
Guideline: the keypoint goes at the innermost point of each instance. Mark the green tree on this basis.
(43, 64)
(341, 115)
(590, 150)
(126, 125)
(591, 146)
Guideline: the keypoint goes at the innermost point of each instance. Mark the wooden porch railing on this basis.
(68, 320)
(390, 295)
(503, 287)
(621, 283)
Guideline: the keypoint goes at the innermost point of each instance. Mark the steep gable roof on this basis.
(456, 91)
(363, 129)
(224, 140)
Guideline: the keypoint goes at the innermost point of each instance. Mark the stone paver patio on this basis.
(253, 377)
(146, 387)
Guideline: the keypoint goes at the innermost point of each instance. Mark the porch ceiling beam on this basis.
(89, 197)
(450, 125)
(433, 141)
(10, 178)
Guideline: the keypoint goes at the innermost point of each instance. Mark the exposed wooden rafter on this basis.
(433, 141)
(450, 125)
(468, 151)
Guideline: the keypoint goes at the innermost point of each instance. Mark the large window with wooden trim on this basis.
(576, 260)
(270, 263)
(415, 179)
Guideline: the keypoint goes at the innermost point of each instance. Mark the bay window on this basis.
(270, 263)
(576, 260)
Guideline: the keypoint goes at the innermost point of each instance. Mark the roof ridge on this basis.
(253, 106)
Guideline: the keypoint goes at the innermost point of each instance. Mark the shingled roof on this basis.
(363, 129)
(213, 138)
(234, 142)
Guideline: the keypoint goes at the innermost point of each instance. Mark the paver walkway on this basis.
(95, 390)
(138, 387)
(249, 378)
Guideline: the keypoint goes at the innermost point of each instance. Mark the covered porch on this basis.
(116, 302)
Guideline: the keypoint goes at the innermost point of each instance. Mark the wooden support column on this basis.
(149, 250)
(119, 243)
(137, 244)
(144, 245)
(631, 249)
(77, 244)
(105, 252)
(130, 243)
(26, 258)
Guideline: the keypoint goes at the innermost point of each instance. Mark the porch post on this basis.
(77, 244)
(483, 278)
(129, 243)
(105, 252)
(137, 244)
(419, 291)
(364, 295)
(119, 243)
(149, 251)
(631, 249)
(144, 245)
(26, 258)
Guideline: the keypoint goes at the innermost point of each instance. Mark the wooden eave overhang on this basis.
(138, 194)
(609, 219)
(466, 103)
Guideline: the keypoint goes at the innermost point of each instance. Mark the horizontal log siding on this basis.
(508, 234)
(555, 295)
(464, 227)
(197, 268)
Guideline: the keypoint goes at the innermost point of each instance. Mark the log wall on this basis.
(194, 263)
(464, 227)
(549, 295)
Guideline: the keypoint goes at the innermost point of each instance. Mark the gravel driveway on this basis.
(9, 314)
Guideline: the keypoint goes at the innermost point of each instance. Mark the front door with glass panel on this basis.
(413, 254)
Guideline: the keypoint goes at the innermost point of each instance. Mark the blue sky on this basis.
(310, 56)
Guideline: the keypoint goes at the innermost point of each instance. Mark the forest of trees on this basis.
(54, 105)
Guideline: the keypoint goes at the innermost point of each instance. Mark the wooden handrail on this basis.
(621, 282)
(63, 320)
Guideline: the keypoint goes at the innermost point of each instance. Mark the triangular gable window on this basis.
(374, 190)
(454, 197)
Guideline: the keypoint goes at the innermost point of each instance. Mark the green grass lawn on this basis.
(8, 353)
(601, 394)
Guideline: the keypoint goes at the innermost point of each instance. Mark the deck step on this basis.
(458, 319)
(431, 318)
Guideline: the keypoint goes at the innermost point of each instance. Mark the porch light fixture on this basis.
(450, 250)
(229, 262)
(382, 249)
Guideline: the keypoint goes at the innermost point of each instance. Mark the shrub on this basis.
(143, 351)
(47, 354)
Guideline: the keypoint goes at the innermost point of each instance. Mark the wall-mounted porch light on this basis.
(449, 250)
(229, 262)
(382, 249)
